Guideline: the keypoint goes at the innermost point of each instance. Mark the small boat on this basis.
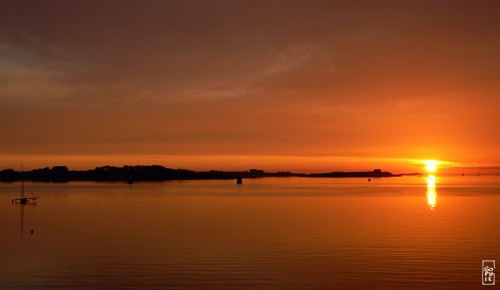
(23, 199)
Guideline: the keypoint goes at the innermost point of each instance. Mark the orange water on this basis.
(287, 233)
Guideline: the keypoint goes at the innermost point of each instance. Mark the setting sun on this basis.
(431, 165)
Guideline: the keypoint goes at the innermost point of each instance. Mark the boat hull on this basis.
(24, 200)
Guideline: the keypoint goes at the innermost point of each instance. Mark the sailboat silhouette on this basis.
(23, 199)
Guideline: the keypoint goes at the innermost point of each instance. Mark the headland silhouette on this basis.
(158, 173)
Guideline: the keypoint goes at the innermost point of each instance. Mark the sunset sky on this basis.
(305, 86)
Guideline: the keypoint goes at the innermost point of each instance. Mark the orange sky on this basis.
(305, 86)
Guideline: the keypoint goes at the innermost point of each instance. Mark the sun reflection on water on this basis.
(431, 192)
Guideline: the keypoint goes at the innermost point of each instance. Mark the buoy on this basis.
(369, 179)
(239, 180)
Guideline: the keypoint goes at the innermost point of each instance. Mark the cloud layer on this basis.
(384, 79)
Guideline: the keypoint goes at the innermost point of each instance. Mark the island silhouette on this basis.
(131, 174)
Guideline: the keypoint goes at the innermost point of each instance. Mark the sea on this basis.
(409, 232)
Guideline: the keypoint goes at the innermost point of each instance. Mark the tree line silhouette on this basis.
(131, 173)
(158, 172)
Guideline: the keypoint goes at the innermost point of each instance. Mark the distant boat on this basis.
(23, 199)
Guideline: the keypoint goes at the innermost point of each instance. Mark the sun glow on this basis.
(431, 165)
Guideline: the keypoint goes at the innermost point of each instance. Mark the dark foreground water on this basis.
(289, 233)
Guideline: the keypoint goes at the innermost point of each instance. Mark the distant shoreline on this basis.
(161, 173)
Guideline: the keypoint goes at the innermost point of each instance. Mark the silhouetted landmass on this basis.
(411, 174)
(375, 173)
(158, 173)
(131, 173)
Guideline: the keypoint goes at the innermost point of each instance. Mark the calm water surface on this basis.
(288, 233)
